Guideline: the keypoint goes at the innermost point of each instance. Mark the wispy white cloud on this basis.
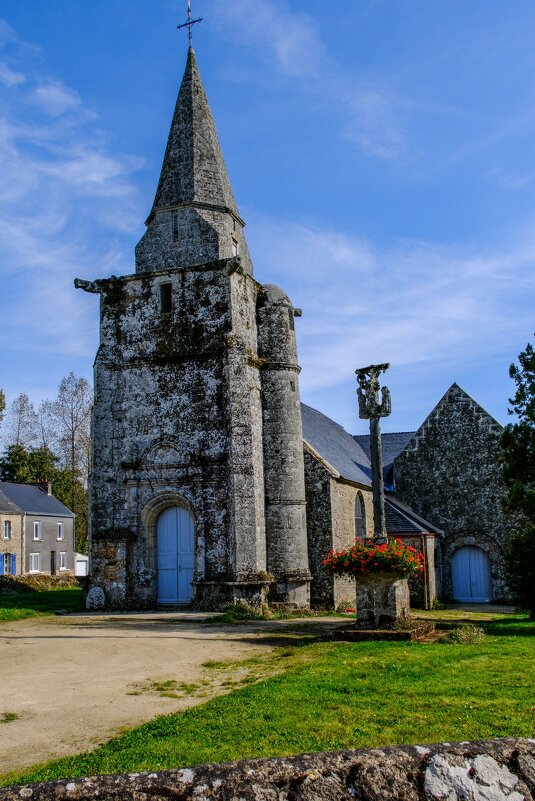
(415, 304)
(9, 77)
(7, 34)
(55, 98)
(376, 123)
(288, 39)
(292, 44)
(61, 185)
(511, 180)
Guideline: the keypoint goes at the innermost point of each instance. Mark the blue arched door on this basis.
(470, 575)
(175, 546)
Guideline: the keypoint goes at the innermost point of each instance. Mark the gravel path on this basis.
(71, 683)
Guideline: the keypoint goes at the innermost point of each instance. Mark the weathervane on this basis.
(189, 24)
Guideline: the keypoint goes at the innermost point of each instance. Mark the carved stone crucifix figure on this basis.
(372, 408)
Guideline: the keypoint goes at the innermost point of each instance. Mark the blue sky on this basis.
(380, 152)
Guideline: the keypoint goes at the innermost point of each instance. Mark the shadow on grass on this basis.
(517, 626)
(70, 599)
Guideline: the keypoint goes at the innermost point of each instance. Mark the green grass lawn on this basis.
(333, 696)
(29, 604)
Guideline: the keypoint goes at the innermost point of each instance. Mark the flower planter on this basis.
(382, 600)
(381, 570)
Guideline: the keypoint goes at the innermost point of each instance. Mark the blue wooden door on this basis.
(175, 544)
(470, 575)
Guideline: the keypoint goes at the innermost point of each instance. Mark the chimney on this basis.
(43, 485)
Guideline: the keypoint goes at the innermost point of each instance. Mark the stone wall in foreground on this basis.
(492, 770)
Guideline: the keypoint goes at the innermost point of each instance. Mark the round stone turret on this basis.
(286, 534)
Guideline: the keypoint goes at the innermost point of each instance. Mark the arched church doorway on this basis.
(470, 575)
(175, 555)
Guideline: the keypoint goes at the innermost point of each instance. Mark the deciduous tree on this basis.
(2, 405)
(22, 423)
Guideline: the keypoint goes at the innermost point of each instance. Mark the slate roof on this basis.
(400, 519)
(393, 443)
(350, 460)
(336, 446)
(17, 498)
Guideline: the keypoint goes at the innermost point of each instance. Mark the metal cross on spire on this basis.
(189, 24)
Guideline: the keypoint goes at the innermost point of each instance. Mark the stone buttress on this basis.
(177, 419)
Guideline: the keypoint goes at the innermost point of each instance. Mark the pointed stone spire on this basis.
(194, 217)
(193, 169)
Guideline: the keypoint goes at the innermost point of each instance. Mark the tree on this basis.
(25, 466)
(518, 462)
(22, 424)
(2, 405)
(66, 422)
(71, 414)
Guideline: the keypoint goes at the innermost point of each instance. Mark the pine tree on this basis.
(518, 460)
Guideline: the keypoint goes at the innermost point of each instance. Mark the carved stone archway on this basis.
(150, 513)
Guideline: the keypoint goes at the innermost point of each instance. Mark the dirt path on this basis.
(70, 683)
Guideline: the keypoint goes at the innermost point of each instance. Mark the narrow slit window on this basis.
(174, 218)
(166, 299)
(234, 246)
(360, 517)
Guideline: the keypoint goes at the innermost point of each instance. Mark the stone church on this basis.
(210, 482)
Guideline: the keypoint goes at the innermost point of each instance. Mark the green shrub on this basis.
(468, 634)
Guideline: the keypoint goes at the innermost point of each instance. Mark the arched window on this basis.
(360, 516)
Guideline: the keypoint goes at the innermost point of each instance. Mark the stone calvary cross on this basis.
(372, 408)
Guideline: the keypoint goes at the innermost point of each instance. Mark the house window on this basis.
(166, 299)
(174, 223)
(61, 533)
(7, 529)
(360, 517)
(37, 530)
(62, 560)
(234, 246)
(35, 562)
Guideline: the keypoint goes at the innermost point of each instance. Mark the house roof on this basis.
(335, 446)
(30, 500)
(6, 504)
(400, 519)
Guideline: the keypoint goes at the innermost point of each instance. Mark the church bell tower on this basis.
(183, 437)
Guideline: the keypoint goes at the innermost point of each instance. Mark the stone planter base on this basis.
(382, 601)
(418, 632)
(212, 595)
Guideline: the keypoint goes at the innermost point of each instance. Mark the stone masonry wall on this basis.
(343, 498)
(13, 545)
(319, 529)
(449, 474)
(493, 770)
(177, 420)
